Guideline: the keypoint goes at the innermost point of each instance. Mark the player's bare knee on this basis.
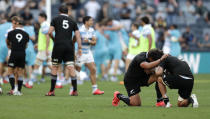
(38, 62)
(179, 103)
(78, 68)
(72, 74)
(54, 69)
(10, 71)
(183, 103)
(20, 72)
(93, 70)
(71, 71)
(135, 103)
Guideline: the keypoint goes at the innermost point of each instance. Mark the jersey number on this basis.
(19, 37)
(65, 24)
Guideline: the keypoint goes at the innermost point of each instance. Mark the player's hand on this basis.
(36, 46)
(164, 56)
(130, 35)
(85, 40)
(79, 52)
(125, 52)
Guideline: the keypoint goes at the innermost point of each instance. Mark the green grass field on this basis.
(34, 105)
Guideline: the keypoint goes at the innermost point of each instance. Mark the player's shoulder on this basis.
(10, 30)
(45, 24)
(171, 59)
(148, 27)
(57, 17)
(82, 28)
(141, 56)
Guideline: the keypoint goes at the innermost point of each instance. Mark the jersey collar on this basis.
(147, 25)
(19, 28)
(65, 15)
(83, 26)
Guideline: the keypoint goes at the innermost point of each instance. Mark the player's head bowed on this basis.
(155, 54)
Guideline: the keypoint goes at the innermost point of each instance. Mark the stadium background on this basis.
(193, 15)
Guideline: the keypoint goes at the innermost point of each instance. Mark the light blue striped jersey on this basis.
(86, 34)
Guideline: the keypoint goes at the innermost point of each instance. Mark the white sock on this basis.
(71, 89)
(69, 81)
(35, 73)
(105, 76)
(25, 81)
(94, 87)
(16, 88)
(30, 83)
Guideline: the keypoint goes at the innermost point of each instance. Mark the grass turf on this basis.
(34, 105)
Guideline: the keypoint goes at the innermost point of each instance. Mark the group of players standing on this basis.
(144, 68)
(54, 48)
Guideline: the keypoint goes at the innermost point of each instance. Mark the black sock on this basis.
(20, 83)
(159, 99)
(124, 98)
(53, 82)
(12, 81)
(166, 100)
(190, 100)
(74, 83)
(159, 96)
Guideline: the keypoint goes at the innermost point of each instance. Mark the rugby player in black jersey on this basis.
(17, 40)
(137, 75)
(63, 49)
(175, 74)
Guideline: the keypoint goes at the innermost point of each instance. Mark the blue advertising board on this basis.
(199, 62)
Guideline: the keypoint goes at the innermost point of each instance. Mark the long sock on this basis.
(124, 98)
(74, 83)
(166, 100)
(53, 82)
(158, 93)
(94, 87)
(20, 83)
(34, 74)
(190, 100)
(12, 81)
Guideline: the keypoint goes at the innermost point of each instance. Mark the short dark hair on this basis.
(145, 19)
(42, 14)
(155, 54)
(63, 9)
(106, 20)
(17, 19)
(174, 25)
(109, 19)
(135, 24)
(86, 18)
